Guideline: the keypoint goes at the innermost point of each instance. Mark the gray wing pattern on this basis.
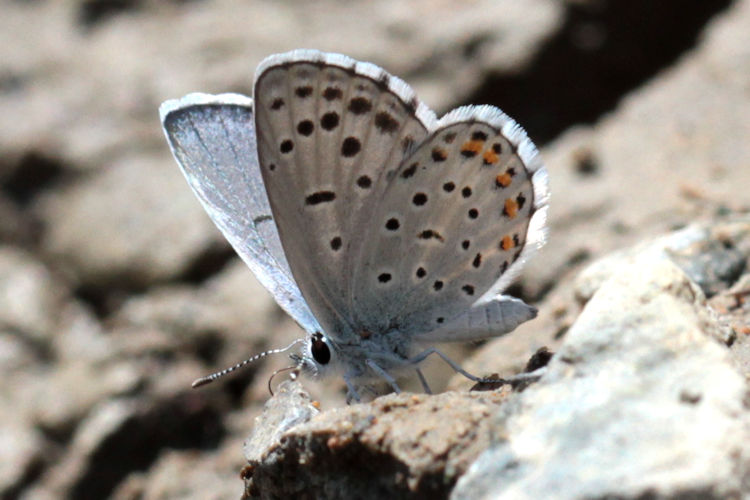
(213, 140)
(455, 224)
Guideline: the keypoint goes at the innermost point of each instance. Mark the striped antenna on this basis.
(210, 378)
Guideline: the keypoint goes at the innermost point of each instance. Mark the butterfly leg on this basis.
(521, 377)
(384, 374)
(433, 350)
(351, 393)
(423, 380)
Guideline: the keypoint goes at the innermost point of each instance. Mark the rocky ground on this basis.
(116, 291)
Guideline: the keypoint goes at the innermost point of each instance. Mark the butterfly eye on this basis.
(319, 349)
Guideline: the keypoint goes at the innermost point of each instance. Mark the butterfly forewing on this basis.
(452, 222)
(213, 140)
(330, 133)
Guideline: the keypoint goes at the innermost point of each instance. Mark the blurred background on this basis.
(116, 290)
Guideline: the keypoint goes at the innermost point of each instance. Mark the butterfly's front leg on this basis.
(383, 374)
(423, 381)
(351, 391)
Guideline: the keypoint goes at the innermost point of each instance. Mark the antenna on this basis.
(210, 378)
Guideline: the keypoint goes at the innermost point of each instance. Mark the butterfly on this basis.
(377, 226)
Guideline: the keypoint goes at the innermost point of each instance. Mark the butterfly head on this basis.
(318, 356)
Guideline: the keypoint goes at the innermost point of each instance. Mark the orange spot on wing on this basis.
(474, 146)
(511, 208)
(503, 180)
(490, 157)
(506, 243)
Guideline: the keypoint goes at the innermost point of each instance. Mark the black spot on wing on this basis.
(521, 200)
(419, 199)
(392, 224)
(286, 146)
(305, 127)
(277, 104)
(430, 234)
(332, 94)
(320, 197)
(350, 147)
(409, 171)
(386, 123)
(364, 182)
(329, 121)
(477, 261)
(439, 155)
(360, 105)
(384, 277)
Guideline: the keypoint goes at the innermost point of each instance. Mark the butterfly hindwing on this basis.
(454, 224)
(487, 319)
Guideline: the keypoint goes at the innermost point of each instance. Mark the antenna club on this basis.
(201, 381)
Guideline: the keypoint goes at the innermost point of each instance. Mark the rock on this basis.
(129, 431)
(229, 318)
(640, 400)
(15, 225)
(400, 445)
(116, 230)
(106, 420)
(15, 353)
(712, 268)
(31, 298)
(713, 255)
(672, 152)
(50, 107)
(22, 451)
(176, 474)
(290, 406)
(696, 248)
(232, 302)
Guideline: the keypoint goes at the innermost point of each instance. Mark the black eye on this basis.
(319, 349)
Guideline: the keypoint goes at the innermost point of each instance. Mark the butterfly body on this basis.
(377, 226)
